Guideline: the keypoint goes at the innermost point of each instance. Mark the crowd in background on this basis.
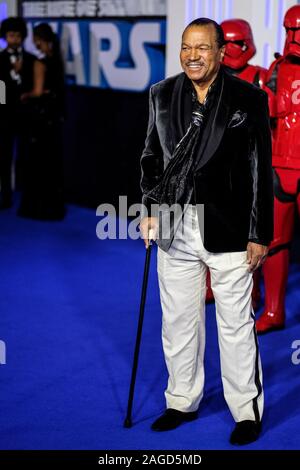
(31, 123)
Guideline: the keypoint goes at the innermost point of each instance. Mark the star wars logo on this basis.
(119, 54)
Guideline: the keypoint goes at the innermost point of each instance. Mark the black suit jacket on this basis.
(233, 179)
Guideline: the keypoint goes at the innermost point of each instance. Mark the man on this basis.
(208, 144)
(16, 71)
(282, 87)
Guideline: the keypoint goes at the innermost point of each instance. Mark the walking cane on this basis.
(128, 420)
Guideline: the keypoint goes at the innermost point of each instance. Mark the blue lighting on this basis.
(229, 9)
(209, 6)
(3, 15)
(188, 11)
(199, 9)
(281, 32)
(218, 11)
(268, 14)
(3, 11)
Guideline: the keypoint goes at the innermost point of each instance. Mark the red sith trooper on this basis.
(240, 48)
(283, 87)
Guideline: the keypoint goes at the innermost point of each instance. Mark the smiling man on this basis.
(208, 147)
(200, 56)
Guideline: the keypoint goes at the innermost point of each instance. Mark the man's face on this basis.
(200, 54)
(13, 39)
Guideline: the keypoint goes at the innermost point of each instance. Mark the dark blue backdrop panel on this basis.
(104, 138)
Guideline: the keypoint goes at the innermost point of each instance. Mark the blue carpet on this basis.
(68, 316)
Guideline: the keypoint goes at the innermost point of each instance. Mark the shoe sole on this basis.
(186, 420)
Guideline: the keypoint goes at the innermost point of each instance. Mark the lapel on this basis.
(178, 114)
(175, 109)
(216, 124)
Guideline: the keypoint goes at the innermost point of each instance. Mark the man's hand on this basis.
(147, 224)
(256, 255)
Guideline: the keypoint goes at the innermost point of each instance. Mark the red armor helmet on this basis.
(240, 47)
(292, 26)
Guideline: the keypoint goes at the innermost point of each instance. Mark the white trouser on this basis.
(182, 282)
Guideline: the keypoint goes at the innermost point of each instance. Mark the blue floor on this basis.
(68, 315)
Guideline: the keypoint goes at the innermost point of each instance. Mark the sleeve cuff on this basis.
(149, 207)
(259, 241)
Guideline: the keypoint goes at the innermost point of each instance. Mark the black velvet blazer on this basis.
(233, 180)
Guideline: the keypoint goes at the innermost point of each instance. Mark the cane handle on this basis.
(151, 234)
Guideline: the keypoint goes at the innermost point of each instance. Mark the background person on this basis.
(283, 74)
(16, 71)
(42, 197)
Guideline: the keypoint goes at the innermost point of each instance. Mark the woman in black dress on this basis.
(42, 196)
